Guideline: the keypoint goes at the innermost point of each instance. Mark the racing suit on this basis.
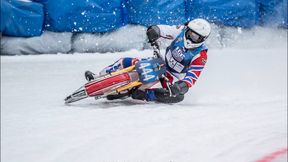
(184, 67)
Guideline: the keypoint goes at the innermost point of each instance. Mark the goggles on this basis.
(194, 37)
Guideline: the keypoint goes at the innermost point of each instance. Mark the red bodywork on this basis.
(95, 88)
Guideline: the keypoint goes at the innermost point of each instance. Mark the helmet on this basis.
(196, 32)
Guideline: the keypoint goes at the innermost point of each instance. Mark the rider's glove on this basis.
(153, 33)
(179, 87)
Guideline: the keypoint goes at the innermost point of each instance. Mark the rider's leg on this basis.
(159, 95)
(118, 65)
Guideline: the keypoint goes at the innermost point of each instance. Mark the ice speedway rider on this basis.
(185, 58)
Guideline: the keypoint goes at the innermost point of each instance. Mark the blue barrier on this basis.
(241, 13)
(284, 14)
(151, 12)
(21, 18)
(83, 15)
(272, 12)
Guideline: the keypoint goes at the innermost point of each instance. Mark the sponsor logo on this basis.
(146, 71)
(173, 63)
(204, 61)
(178, 54)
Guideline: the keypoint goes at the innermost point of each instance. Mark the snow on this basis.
(48, 42)
(133, 37)
(237, 111)
(126, 38)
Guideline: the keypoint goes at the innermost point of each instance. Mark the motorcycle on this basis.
(144, 74)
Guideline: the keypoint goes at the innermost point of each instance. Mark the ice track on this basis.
(237, 112)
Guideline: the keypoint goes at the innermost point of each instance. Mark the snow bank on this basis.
(257, 37)
(48, 42)
(126, 38)
(134, 37)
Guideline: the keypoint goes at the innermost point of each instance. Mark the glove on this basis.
(153, 33)
(179, 87)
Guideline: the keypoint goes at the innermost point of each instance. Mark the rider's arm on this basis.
(195, 68)
(170, 32)
(163, 31)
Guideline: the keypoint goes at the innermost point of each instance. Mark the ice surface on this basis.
(237, 111)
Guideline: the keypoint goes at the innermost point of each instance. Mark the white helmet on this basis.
(196, 32)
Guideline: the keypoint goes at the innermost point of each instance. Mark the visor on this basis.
(194, 37)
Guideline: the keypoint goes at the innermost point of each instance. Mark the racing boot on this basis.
(89, 75)
(118, 96)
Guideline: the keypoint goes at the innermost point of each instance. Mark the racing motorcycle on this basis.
(144, 74)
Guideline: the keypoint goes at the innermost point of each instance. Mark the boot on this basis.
(89, 75)
(117, 96)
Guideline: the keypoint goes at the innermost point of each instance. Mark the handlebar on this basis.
(156, 50)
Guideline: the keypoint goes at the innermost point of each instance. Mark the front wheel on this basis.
(99, 88)
(76, 96)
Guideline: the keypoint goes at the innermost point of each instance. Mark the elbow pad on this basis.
(153, 33)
